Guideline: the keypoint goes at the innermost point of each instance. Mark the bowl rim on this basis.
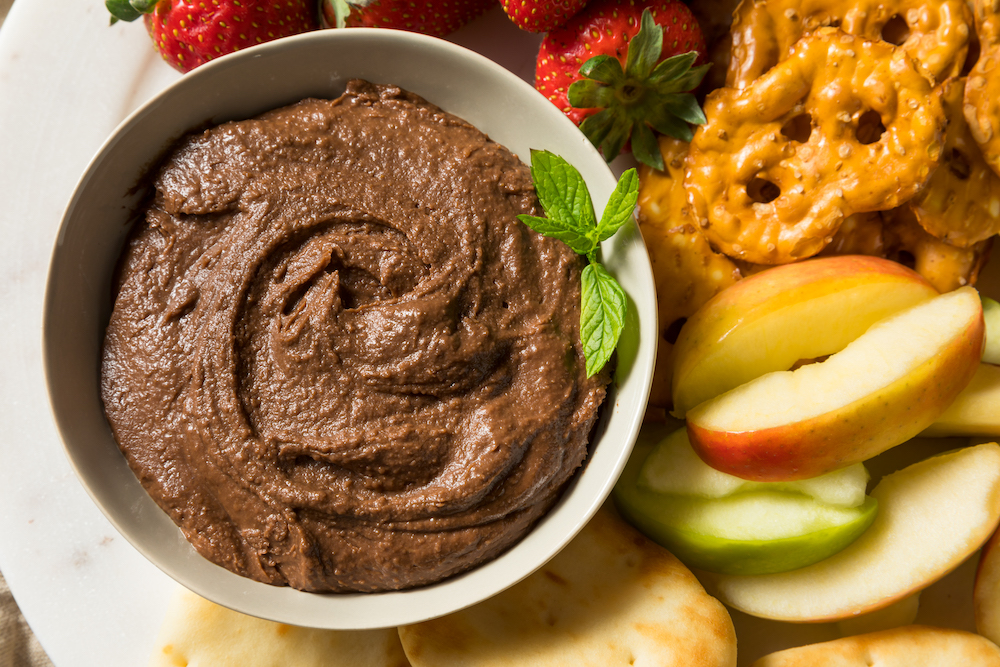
(358, 610)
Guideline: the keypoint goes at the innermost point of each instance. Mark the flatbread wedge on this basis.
(199, 633)
(907, 646)
(612, 597)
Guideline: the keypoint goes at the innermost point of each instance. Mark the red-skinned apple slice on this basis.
(932, 516)
(885, 387)
(775, 318)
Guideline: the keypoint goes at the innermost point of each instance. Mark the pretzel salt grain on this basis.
(982, 90)
(935, 33)
(686, 271)
(843, 126)
(961, 203)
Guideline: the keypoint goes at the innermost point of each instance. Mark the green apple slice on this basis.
(674, 468)
(758, 532)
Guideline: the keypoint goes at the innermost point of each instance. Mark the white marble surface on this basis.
(66, 80)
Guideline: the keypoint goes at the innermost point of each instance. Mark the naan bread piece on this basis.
(610, 598)
(199, 633)
(909, 646)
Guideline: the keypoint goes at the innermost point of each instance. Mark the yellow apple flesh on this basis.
(991, 314)
(722, 528)
(885, 387)
(975, 411)
(932, 516)
(780, 316)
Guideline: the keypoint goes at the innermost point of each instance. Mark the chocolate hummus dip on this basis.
(336, 359)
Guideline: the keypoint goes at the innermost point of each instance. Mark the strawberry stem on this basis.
(646, 95)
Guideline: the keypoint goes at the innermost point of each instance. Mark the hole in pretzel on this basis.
(798, 128)
(870, 127)
(958, 164)
(762, 191)
(895, 31)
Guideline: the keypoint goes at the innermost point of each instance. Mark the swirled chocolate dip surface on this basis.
(336, 359)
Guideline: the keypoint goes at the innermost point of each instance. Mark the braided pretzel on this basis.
(686, 270)
(961, 203)
(982, 90)
(896, 235)
(945, 266)
(935, 33)
(781, 163)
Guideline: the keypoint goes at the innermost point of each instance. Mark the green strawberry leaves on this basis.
(570, 218)
(642, 97)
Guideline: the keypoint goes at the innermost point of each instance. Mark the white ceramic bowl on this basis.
(78, 300)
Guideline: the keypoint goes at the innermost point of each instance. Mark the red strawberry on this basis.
(623, 69)
(188, 33)
(541, 15)
(430, 17)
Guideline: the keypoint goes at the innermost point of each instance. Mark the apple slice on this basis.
(932, 516)
(674, 468)
(975, 411)
(991, 314)
(773, 319)
(885, 387)
(768, 529)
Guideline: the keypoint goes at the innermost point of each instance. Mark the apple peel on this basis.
(884, 388)
(932, 516)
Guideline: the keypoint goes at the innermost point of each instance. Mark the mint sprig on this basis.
(570, 218)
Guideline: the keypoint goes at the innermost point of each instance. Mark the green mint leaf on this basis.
(121, 10)
(563, 194)
(621, 205)
(602, 316)
(644, 49)
(604, 69)
(557, 229)
(589, 94)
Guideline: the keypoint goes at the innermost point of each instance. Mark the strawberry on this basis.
(430, 17)
(188, 33)
(541, 15)
(620, 70)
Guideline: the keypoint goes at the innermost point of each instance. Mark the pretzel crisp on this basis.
(687, 272)
(945, 266)
(896, 235)
(935, 33)
(842, 126)
(982, 91)
(961, 203)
